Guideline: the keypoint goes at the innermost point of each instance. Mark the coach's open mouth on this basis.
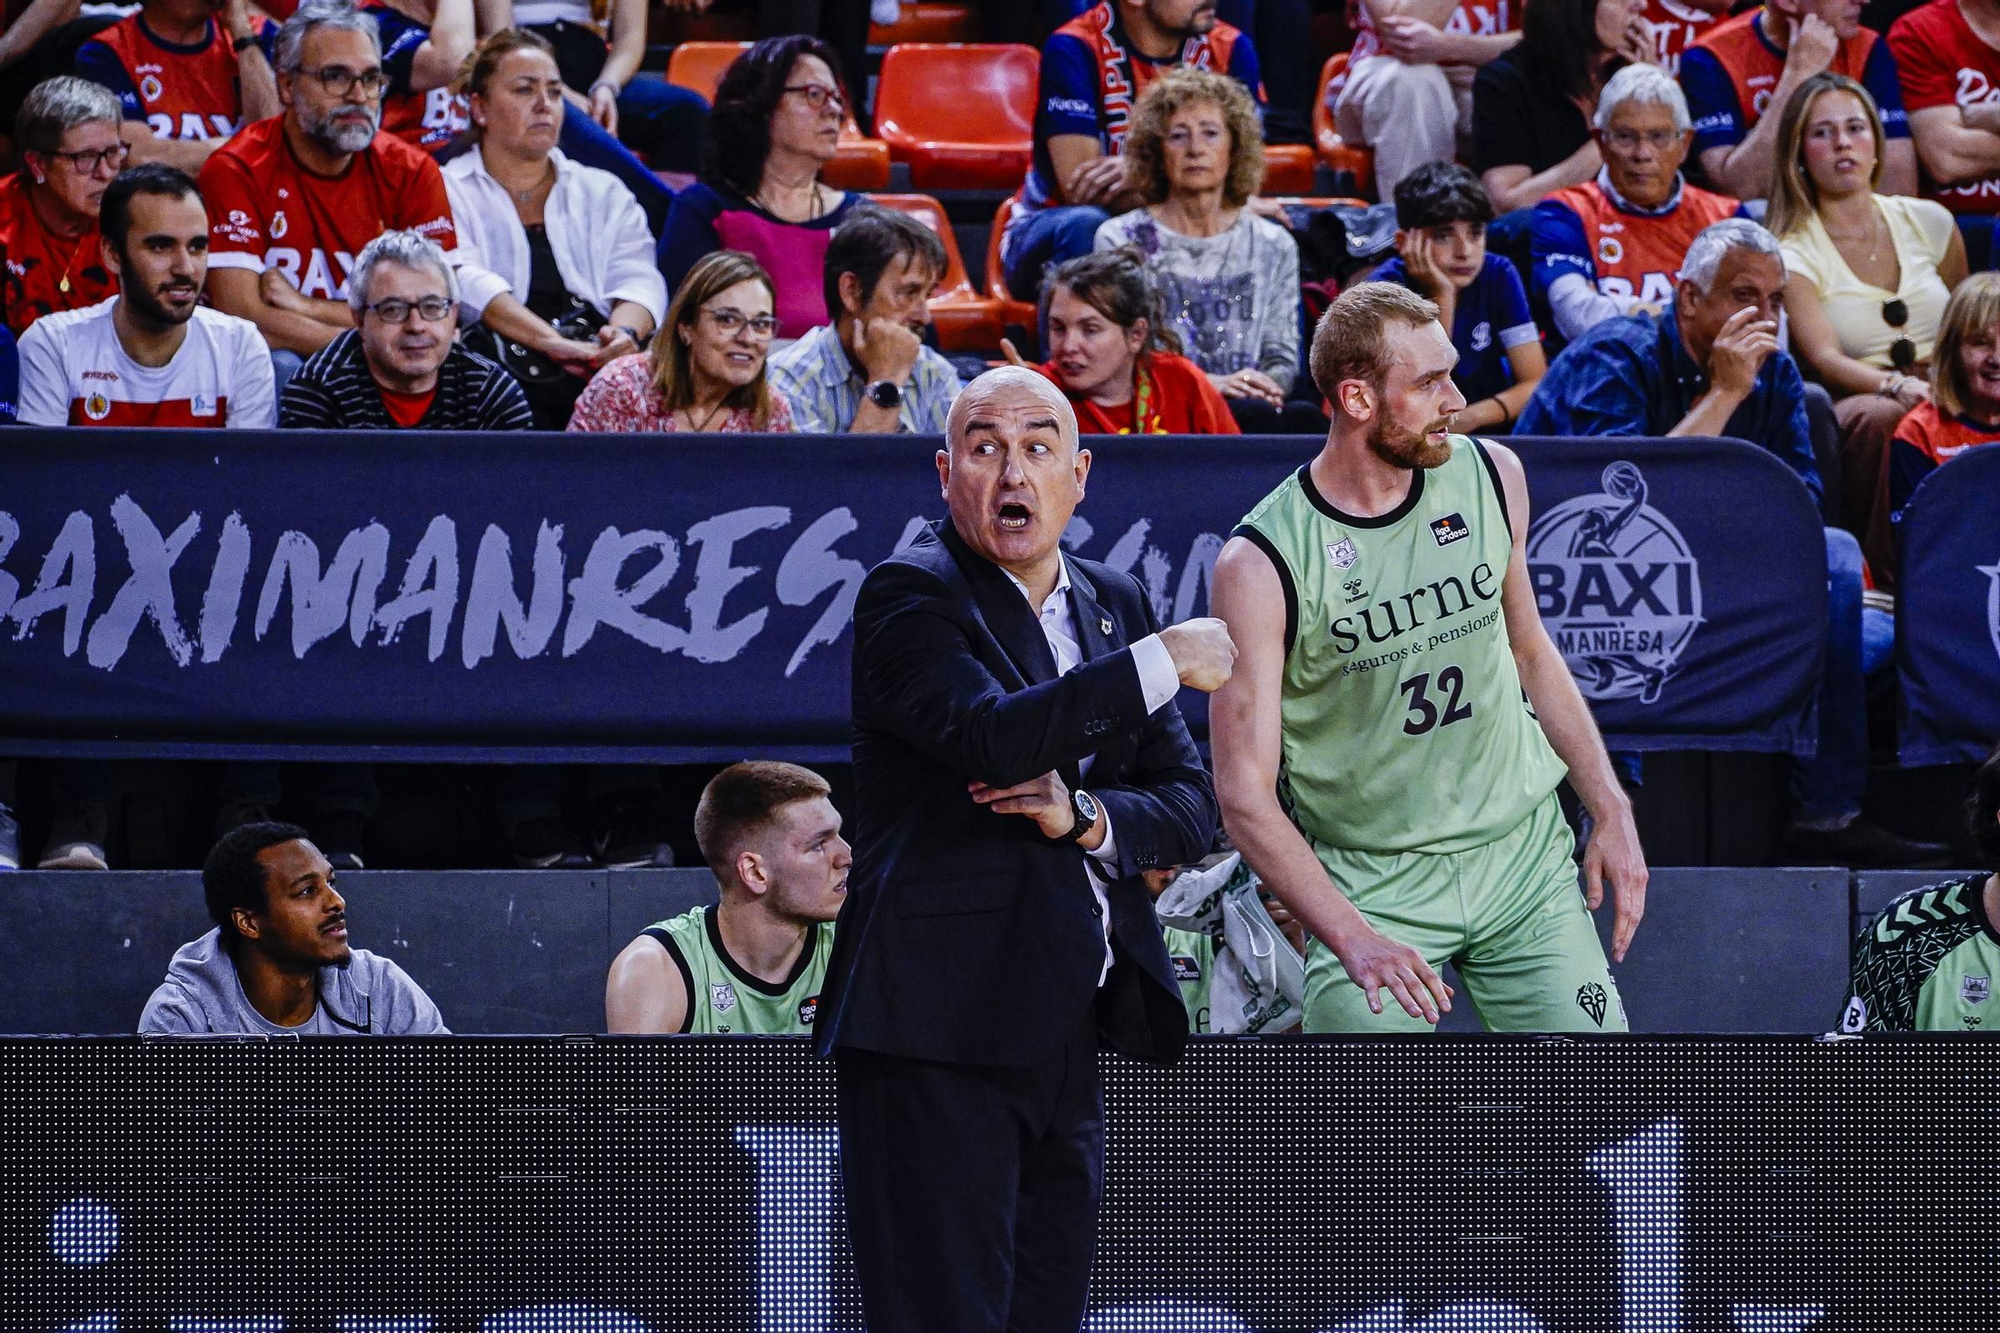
(1015, 516)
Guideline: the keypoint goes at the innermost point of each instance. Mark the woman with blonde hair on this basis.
(1868, 275)
(1963, 411)
(706, 370)
(1230, 279)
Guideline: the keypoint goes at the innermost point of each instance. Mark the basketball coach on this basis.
(1018, 761)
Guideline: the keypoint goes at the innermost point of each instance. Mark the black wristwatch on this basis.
(242, 44)
(885, 394)
(1085, 809)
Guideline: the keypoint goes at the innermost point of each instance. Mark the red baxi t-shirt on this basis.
(266, 210)
(1943, 62)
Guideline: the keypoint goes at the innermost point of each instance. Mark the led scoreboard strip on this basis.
(1287, 1185)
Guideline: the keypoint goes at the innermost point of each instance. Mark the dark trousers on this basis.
(972, 1190)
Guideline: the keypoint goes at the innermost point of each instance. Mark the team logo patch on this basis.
(1591, 998)
(1975, 990)
(149, 88)
(1342, 553)
(1992, 573)
(1609, 250)
(1186, 967)
(721, 996)
(1451, 528)
(278, 225)
(97, 406)
(1618, 587)
(201, 405)
(808, 1010)
(1482, 335)
(1855, 1017)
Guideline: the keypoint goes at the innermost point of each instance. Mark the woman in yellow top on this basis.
(1869, 275)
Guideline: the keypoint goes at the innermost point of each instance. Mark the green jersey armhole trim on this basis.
(1493, 474)
(1257, 539)
(687, 975)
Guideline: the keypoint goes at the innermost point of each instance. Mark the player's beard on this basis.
(1407, 448)
(341, 136)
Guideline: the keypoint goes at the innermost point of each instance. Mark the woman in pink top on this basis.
(706, 369)
(774, 127)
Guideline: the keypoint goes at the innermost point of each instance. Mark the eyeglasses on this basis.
(395, 311)
(817, 95)
(89, 162)
(1902, 352)
(727, 321)
(337, 79)
(1657, 140)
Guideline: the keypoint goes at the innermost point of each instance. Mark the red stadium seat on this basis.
(1335, 153)
(924, 21)
(1288, 168)
(966, 321)
(1017, 312)
(860, 164)
(963, 117)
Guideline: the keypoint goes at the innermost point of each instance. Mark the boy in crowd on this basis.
(1441, 216)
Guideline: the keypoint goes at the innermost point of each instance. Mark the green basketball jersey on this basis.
(1193, 955)
(722, 997)
(1927, 963)
(1405, 725)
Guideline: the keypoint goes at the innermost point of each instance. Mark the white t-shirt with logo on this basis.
(75, 372)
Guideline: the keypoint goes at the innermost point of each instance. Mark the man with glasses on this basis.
(151, 356)
(401, 368)
(189, 73)
(49, 257)
(868, 372)
(293, 199)
(1613, 246)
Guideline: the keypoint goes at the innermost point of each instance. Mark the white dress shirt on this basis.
(1159, 682)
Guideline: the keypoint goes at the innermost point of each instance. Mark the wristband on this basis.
(604, 83)
(242, 44)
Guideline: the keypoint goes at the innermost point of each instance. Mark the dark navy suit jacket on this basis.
(968, 936)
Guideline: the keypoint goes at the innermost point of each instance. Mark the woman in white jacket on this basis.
(568, 241)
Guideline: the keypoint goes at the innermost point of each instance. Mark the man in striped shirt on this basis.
(400, 368)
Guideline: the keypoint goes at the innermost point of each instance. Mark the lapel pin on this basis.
(1104, 626)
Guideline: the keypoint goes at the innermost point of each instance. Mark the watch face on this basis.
(1087, 805)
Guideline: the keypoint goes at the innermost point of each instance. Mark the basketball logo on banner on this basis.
(1992, 573)
(1617, 586)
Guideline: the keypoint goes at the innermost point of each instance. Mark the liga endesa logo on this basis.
(1617, 587)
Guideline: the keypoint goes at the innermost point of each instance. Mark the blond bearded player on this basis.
(1388, 749)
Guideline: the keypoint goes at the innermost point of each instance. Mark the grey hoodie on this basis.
(202, 993)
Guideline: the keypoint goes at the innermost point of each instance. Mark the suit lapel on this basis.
(1096, 632)
(1003, 610)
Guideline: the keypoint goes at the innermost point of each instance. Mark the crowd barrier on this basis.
(1948, 609)
(567, 597)
(1721, 950)
(1287, 1185)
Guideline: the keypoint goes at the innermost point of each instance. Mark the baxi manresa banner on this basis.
(651, 597)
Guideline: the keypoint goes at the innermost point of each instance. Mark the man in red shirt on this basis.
(293, 199)
(1949, 54)
(189, 73)
(68, 132)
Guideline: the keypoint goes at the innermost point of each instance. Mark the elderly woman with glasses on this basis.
(68, 131)
(706, 370)
(774, 127)
(1868, 278)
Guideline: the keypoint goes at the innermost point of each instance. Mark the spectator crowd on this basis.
(1635, 218)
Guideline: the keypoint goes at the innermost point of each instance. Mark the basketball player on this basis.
(754, 962)
(1388, 751)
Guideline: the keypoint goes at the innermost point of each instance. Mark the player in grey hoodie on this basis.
(278, 960)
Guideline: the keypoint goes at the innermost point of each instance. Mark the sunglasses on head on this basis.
(1902, 352)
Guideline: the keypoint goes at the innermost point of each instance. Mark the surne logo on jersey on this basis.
(1617, 586)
